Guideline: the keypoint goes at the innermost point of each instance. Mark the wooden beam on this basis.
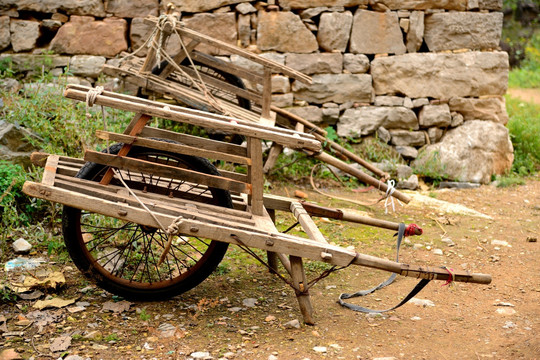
(307, 223)
(50, 170)
(175, 148)
(148, 167)
(255, 176)
(273, 154)
(299, 281)
(227, 67)
(178, 58)
(192, 140)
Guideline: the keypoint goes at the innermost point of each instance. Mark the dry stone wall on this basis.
(420, 75)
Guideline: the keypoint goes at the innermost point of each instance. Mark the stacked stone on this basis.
(414, 72)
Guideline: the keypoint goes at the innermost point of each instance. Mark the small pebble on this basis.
(293, 324)
(251, 302)
(416, 318)
(320, 349)
(505, 311)
(437, 252)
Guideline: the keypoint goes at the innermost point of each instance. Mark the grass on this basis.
(524, 127)
(527, 75)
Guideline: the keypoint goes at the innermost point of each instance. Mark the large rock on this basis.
(366, 120)
(355, 63)
(376, 33)
(24, 34)
(415, 35)
(220, 26)
(471, 152)
(407, 138)
(460, 5)
(132, 8)
(86, 65)
(441, 75)
(434, 115)
(494, 5)
(14, 143)
(71, 7)
(84, 35)
(492, 108)
(28, 62)
(338, 88)
(463, 30)
(334, 30)
(196, 6)
(5, 37)
(284, 32)
(311, 113)
(302, 4)
(321, 63)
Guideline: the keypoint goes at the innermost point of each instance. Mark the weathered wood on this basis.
(236, 50)
(137, 124)
(50, 170)
(283, 243)
(298, 119)
(266, 94)
(221, 84)
(209, 144)
(360, 175)
(255, 175)
(271, 256)
(290, 139)
(299, 281)
(273, 155)
(310, 228)
(40, 158)
(227, 67)
(178, 58)
(148, 167)
(175, 148)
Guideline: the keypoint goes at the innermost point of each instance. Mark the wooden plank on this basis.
(234, 175)
(135, 127)
(50, 170)
(236, 50)
(283, 243)
(175, 148)
(255, 176)
(149, 103)
(307, 223)
(221, 84)
(40, 159)
(293, 140)
(227, 67)
(178, 58)
(298, 119)
(299, 281)
(239, 215)
(192, 140)
(136, 165)
(267, 94)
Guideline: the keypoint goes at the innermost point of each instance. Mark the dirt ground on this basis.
(496, 321)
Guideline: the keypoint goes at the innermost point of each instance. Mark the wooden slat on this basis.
(227, 67)
(191, 140)
(236, 50)
(299, 281)
(273, 154)
(221, 84)
(307, 223)
(292, 140)
(148, 167)
(240, 215)
(255, 175)
(281, 242)
(50, 170)
(267, 94)
(175, 148)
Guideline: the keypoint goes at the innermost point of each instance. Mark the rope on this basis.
(389, 191)
(451, 278)
(91, 97)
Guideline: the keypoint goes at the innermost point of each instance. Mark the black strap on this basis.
(416, 290)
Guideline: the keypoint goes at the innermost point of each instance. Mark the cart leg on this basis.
(299, 281)
(272, 256)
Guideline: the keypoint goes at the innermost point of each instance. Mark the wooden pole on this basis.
(360, 175)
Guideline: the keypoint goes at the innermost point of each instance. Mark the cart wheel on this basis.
(122, 256)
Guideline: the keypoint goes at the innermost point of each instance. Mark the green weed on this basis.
(524, 127)
(144, 316)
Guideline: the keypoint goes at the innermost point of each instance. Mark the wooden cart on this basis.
(197, 79)
(151, 218)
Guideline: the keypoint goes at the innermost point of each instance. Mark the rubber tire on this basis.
(80, 256)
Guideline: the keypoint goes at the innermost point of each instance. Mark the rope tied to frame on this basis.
(451, 278)
(91, 97)
(389, 200)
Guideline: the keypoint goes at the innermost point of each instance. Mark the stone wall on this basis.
(420, 74)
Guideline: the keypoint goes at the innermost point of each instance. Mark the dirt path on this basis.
(530, 95)
(498, 321)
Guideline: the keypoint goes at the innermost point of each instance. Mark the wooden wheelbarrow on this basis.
(150, 217)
